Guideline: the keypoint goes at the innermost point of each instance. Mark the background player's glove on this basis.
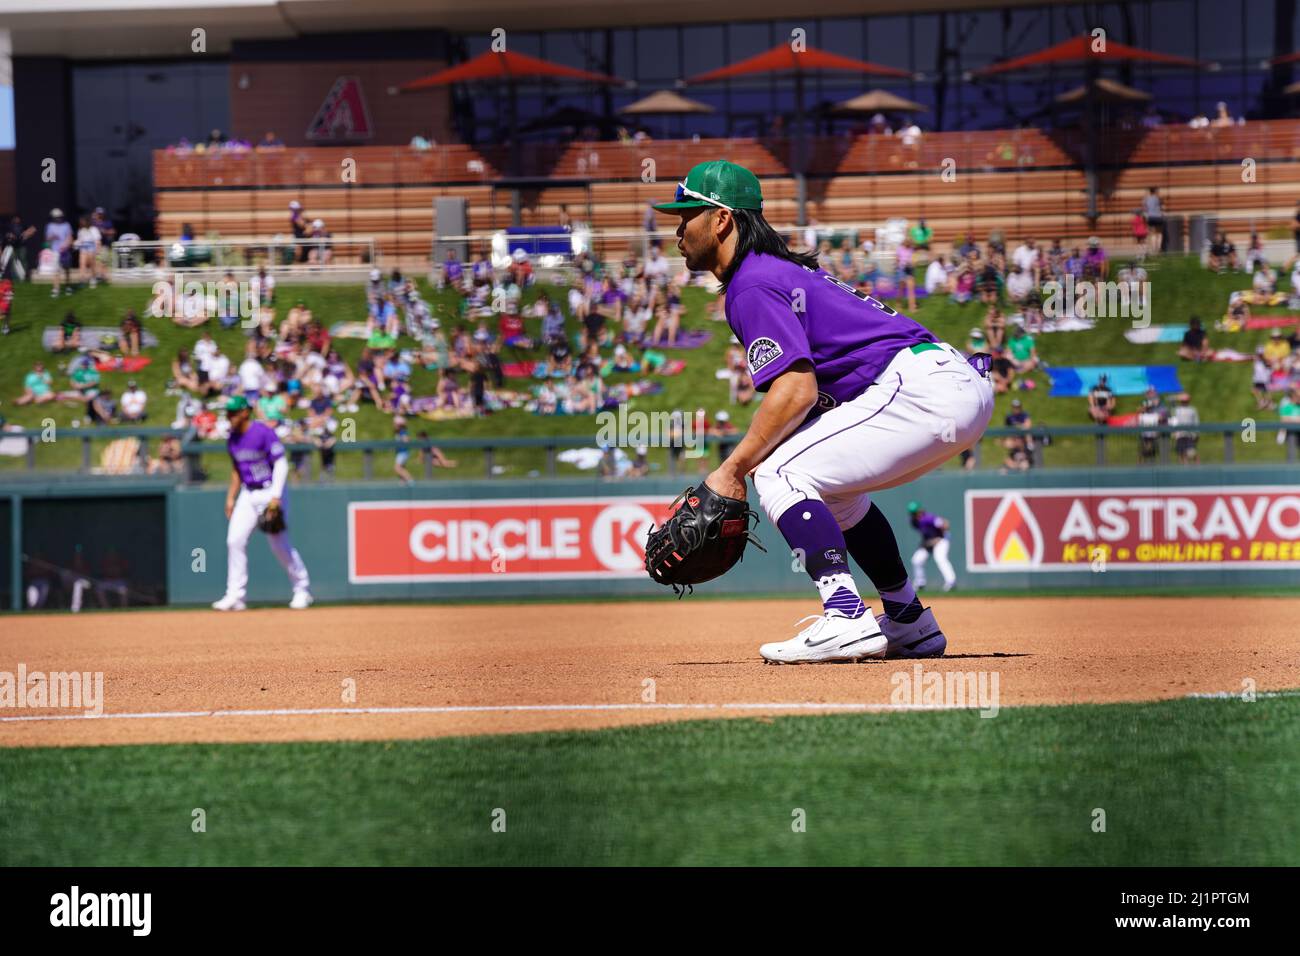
(271, 520)
(703, 538)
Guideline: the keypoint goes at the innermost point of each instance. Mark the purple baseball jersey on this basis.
(784, 312)
(928, 525)
(253, 453)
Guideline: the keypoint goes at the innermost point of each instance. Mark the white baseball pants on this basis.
(940, 552)
(925, 407)
(243, 522)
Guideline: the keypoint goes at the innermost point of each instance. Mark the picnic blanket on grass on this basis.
(349, 330)
(688, 339)
(1153, 334)
(1078, 380)
(92, 337)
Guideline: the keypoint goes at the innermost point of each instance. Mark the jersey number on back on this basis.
(876, 303)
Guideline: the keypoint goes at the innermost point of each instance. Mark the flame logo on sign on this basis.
(1013, 536)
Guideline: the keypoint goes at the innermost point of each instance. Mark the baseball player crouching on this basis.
(859, 399)
(256, 499)
(933, 530)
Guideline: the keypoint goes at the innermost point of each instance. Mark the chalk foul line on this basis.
(554, 708)
(481, 709)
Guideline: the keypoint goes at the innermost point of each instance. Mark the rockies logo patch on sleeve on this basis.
(762, 351)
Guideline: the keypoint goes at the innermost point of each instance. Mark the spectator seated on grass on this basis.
(1001, 371)
(1101, 402)
(101, 409)
(1028, 260)
(131, 333)
(370, 376)
(1255, 255)
(450, 396)
(976, 342)
(452, 274)
(995, 328)
(1020, 285)
(937, 275)
(84, 379)
(1277, 350)
(621, 361)
(1238, 313)
(228, 311)
(69, 334)
(512, 331)
(1095, 264)
(1054, 262)
(434, 353)
(338, 382)
(1196, 345)
(963, 283)
(1223, 254)
(133, 406)
(638, 312)
(1022, 351)
(252, 375)
(216, 372)
(38, 387)
(272, 405)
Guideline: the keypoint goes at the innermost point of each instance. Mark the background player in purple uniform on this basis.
(934, 542)
(257, 485)
(859, 398)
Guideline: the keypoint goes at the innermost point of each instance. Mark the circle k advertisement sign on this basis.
(481, 540)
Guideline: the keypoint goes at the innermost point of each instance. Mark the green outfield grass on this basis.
(1180, 289)
(1186, 782)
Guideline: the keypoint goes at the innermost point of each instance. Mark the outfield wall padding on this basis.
(1091, 530)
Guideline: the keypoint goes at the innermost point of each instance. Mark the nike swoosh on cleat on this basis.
(808, 643)
(859, 640)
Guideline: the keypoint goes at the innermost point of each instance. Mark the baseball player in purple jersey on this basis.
(257, 488)
(859, 398)
(934, 542)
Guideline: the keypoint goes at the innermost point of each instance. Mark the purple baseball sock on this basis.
(810, 528)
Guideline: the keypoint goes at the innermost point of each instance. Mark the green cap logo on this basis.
(716, 183)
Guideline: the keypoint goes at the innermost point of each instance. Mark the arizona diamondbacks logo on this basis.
(343, 114)
(762, 351)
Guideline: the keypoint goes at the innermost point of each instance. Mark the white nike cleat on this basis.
(228, 603)
(301, 600)
(921, 638)
(830, 638)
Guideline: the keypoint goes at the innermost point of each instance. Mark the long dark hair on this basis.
(753, 234)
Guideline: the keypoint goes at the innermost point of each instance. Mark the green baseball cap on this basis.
(914, 506)
(236, 403)
(716, 183)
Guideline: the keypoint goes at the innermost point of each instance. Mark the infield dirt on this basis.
(177, 675)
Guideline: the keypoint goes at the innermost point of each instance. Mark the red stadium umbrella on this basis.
(508, 67)
(1092, 52)
(1080, 49)
(784, 58)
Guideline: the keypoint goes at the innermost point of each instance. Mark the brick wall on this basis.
(285, 97)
